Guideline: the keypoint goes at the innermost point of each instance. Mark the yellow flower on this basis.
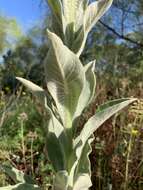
(134, 132)
(7, 88)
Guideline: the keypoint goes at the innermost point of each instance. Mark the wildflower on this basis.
(134, 132)
(23, 116)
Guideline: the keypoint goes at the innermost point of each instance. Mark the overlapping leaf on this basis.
(83, 182)
(56, 7)
(76, 18)
(94, 12)
(87, 94)
(35, 89)
(53, 146)
(16, 175)
(58, 19)
(65, 78)
(58, 144)
(84, 165)
(61, 181)
(21, 186)
(23, 181)
(70, 8)
(103, 113)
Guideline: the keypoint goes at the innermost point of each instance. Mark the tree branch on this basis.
(121, 36)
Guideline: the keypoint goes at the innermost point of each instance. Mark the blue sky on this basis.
(26, 12)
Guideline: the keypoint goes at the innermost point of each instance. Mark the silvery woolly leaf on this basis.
(17, 175)
(87, 94)
(82, 155)
(74, 35)
(58, 145)
(21, 186)
(35, 89)
(82, 5)
(73, 19)
(56, 7)
(74, 11)
(80, 160)
(60, 181)
(65, 78)
(70, 8)
(83, 182)
(53, 145)
(78, 41)
(94, 12)
(104, 113)
(67, 21)
(58, 20)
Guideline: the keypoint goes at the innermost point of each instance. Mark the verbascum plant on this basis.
(71, 87)
(73, 19)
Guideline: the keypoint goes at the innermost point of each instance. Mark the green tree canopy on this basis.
(9, 32)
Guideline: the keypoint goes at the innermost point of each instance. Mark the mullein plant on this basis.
(70, 89)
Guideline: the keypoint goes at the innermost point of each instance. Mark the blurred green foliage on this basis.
(9, 31)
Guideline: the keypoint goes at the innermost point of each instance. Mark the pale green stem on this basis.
(23, 144)
(127, 163)
(32, 163)
(128, 157)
